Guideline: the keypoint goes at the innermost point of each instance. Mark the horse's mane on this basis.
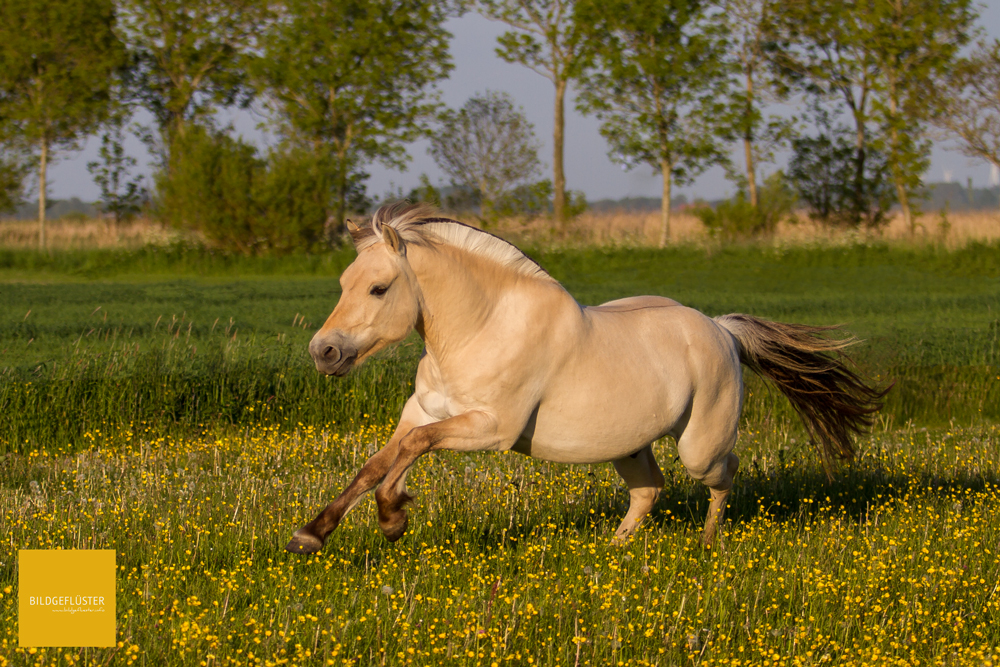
(422, 224)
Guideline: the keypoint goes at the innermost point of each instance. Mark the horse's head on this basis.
(379, 305)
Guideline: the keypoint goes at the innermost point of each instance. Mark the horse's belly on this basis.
(597, 433)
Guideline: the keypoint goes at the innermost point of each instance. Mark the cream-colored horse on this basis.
(513, 362)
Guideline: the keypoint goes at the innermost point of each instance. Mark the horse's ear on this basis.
(393, 239)
(354, 231)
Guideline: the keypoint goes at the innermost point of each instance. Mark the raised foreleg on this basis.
(470, 431)
(644, 481)
(311, 537)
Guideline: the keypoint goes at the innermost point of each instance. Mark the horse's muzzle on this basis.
(332, 354)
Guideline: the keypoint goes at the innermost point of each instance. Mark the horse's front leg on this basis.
(467, 432)
(311, 537)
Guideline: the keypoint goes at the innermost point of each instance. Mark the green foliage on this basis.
(880, 60)
(296, 197)
(547, 39)
(576, 203)
(914, 44)
(220, 186)
(823, 171)
(352, 80)
(14, 168)
(189, 58)
(209, 185)
(59, 63)
(425, 192)
(736, 218)
(654, 68)
(489, 147)
(968, 103)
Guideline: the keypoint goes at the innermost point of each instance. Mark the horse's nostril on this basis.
(327, 351)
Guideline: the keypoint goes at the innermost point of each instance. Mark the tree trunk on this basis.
(897, 167)
(859, 174)
(558, 177)
(748, 142)
(43, 163)
(665, 205)
(904, 205)
(341, 196)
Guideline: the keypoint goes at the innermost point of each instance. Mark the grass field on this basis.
(161, 403)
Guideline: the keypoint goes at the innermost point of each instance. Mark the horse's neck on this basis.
(459, 294)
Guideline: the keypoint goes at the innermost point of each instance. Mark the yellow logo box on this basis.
(66, 597)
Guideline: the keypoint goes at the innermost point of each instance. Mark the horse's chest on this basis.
(437, 404)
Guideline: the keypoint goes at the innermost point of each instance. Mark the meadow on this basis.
(159, 401)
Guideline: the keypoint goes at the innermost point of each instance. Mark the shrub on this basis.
(222, 187)
(736, 218)
(823, 170)
(209, 185)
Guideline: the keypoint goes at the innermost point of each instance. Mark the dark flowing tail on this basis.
(810, 370)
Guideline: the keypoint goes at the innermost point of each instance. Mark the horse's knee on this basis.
(714, 473)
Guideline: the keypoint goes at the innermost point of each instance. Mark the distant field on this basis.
(601, 228)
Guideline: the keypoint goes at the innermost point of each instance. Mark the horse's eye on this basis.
(378, 290)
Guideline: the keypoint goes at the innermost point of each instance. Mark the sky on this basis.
(477, 69)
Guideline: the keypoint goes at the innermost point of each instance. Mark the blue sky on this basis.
(477, 69)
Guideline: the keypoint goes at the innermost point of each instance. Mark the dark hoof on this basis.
(304, 543)
(394, 528)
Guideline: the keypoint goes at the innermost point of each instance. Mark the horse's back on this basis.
(634, 303)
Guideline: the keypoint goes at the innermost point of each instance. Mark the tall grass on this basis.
(176, 386)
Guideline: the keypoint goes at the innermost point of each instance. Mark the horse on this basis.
(512, 362)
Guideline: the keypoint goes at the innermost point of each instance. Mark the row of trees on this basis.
(675, 82)
(345, 83)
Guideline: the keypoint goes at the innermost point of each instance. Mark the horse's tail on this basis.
(810, 370)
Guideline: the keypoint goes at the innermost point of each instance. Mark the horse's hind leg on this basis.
(720, 494)
(644, 481)
(706, 450)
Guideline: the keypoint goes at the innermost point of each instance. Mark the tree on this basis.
(822, 46)
(189, 58)
(546, 40)
(353, 80)
(59, 62)
(914, 43)
(878, 58)
(654, 76)
(745, 23)
(487, 146)
(122, 197)
(968, 107)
